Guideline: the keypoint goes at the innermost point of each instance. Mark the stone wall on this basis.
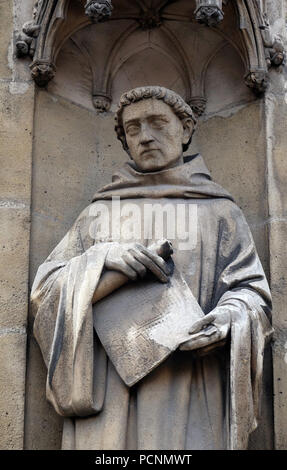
(275, 119)
(17, 110)
(58, 149)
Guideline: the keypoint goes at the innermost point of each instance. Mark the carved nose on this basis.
(145, 136)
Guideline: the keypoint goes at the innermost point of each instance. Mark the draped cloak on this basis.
(190, 401)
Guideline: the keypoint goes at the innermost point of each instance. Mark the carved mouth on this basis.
(148, 151)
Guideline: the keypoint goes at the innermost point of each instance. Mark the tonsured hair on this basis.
(180, 108)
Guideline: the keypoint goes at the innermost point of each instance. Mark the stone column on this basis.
(16, 117)
(276, 149)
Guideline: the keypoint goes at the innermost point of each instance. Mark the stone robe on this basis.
(190, 401)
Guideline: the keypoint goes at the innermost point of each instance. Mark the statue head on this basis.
(155, 126)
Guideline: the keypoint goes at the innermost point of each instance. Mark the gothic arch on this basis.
(54, 21)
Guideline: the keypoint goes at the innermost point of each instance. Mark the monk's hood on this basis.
(189, 180)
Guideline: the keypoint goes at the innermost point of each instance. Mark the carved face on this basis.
(155, 135)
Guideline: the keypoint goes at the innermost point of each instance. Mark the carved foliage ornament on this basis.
(98, 11)
(101, 101)
(198, 105)
(209, 12)
(42, 71)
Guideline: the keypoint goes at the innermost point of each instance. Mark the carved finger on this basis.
(129, 272)
(201, 341)
(124, 268)
(198, 325)
(157, 260)
(134, 264)
(148, 263)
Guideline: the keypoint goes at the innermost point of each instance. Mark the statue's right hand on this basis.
(134, 260)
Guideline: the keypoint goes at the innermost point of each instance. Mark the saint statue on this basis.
(185, 388)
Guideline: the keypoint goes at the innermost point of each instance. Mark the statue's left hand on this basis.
(209, 332)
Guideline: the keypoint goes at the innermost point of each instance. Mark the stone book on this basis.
(142, 323)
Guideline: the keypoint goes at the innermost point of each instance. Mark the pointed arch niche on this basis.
(98, 62)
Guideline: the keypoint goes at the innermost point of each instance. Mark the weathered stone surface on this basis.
(276, 144)
(21, 15)
(6, 35)
(278, 269)
(233, 146)
(16, 121)
(12, 390)
(263, 436)
(75, 152)
(14, 244)
(43, 427)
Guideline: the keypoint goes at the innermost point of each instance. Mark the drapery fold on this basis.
(77, 377)
(64, 329)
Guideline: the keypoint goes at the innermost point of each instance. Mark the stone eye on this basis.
(132, 129)
(158, 122)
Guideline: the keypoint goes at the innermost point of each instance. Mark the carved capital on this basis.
(42, 72)
(257, 80)
(102, 102)
(99, 10)
(197, 104)
(209, 15)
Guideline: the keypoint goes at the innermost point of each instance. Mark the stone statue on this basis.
(204, 392)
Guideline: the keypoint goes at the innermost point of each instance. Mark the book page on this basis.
(143, 322)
